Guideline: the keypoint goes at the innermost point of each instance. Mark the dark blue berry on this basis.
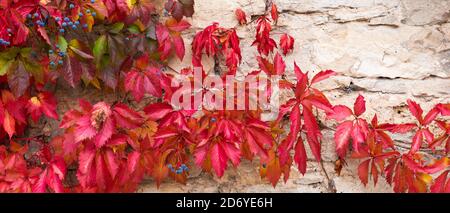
(60, 62)
(61, 30)
(50, 52)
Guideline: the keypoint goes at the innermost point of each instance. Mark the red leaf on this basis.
(218, 159)
(111, 162)
(266, 66)
(158, 110)
(177, 26)
(286, 43)
(140, 83)
(18, 79)
(45, 103)
(417, 141)
(374, 172)
(105, 133)
(322, 75)
(359, 133)
(359, 106)
(232, 153)
(86, 171)
(342, 136)
(300, 156)
(299, 74)
(415, 110)
(363, 172)
(295, 118)
(274, 12)
(84, 130)
(133, 160)
(430, 116)
(43, 33)
(273, 172)
(339, 113)
(436, 166)
(279, 64)
(287, 144)
(263, 41)
(319, 100)
(258, 140)
(169, 37)
(126, 117)
(444, 109)
(402, 128)
(178, 44)
(56, 174)
(9, 124)
(241, 17)
(97, 124)
(166, 133)
(439, 183)
(429, 137)
(432, 168)
(71, 71)
(312, 132)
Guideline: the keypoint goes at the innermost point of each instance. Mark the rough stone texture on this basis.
(387, 50)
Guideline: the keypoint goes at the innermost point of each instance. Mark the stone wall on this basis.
(387, 50)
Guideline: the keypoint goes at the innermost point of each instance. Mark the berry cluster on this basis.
(180, 169)
(58, 58)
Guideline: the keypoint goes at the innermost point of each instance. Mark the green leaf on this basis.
(10, 54)
(5, 65)
(100, 48)
(62, 44)
(117, 27)
(35, 69)
(25, 52)
(134, 29)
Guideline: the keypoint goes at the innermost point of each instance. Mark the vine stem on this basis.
(331, 186)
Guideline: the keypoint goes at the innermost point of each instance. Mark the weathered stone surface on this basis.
(222, 11)
(425, 12)
(387, 50)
